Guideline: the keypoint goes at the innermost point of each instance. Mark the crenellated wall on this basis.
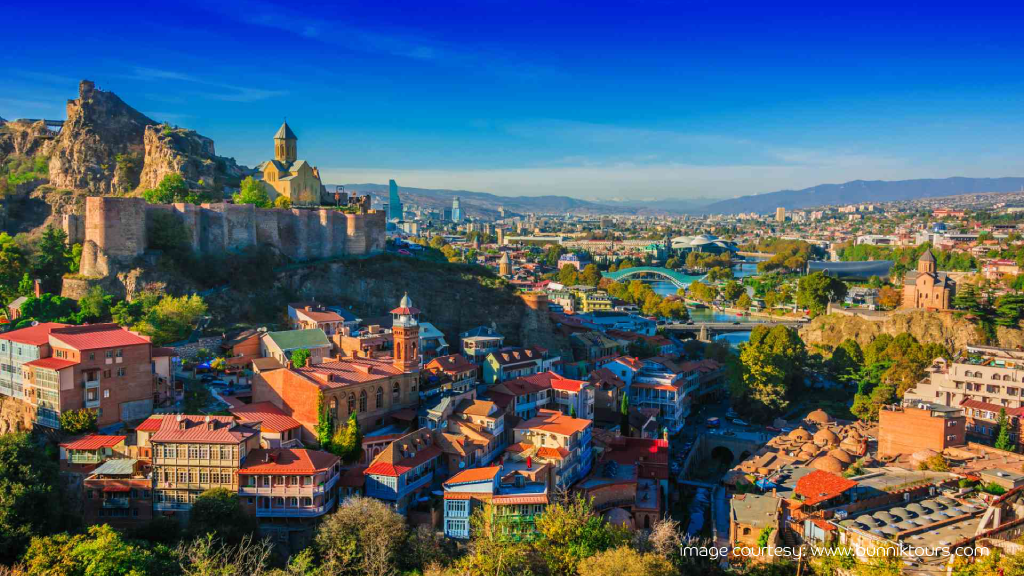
(115, 230)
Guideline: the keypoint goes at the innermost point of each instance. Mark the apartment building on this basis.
(312, 315)
(514, 363)
(404, 469)
(118, 492)
(562, 440)
(448, 374)
(917, 426)
(516, 498)
(479, 342)
(523, 396)
(19, 347)
(986, 374)
(287, 490)
(192, 454)
(667, 386)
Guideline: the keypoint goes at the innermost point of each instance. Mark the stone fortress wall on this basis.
(114, 230)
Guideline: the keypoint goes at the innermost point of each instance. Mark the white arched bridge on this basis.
(650, 273)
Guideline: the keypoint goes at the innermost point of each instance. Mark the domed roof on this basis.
(825, 436)
(819, 416)
(827, 464)
(800, 434)
(851, 444)
(810, 448)
(923, 454)
(841, 455)
(805, 455)
(852, 432)
(619, 517)
(406, 301)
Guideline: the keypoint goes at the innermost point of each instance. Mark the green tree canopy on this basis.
(817, 289)
(30, 504)
(218, 511)
(253, 192)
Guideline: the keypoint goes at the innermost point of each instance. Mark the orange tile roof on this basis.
(552, 453)
(151, 424)
(272, 418)
(51, 363)
(33, 335)
(93, 442)
(514, 499)
(519, 447)
(198, 430)
(453, 363)
(474, 475)
(95, 336)
(287, 461)
(392, 462)
(555, 422)
(819, 486)
(337, 374)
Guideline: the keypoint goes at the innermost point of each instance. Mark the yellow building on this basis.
(594, 301)
(287, 176)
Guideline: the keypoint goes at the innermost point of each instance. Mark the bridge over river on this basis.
(679, 279)
(723, 327)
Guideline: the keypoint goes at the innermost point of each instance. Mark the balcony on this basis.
(91, 384)
(6, 390)
(292, 490)
(85, 458)
(115, 503)
(92, 403)
(298, 512)
(171, 506)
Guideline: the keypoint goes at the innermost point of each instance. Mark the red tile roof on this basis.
(393, 462)
(287, 461)
(552, 453)
(629, 361)
(555, 422)
(474, 475)
(513, 499)
(272, 418)
(51, 363)
(93, 442)
(453, 363)
(96, 336)
(151, 424)
(33, 335)
(198, 429)
(994, 408)
(628, 451)
(514, 356)
(349, 371)
(819, 486)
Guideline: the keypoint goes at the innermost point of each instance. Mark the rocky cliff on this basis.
(100, 136)
(179, 151)
(942, 328)
(24, 138)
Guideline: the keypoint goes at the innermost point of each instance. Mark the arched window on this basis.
(334, 408)
(362, 401)
(395, 393)
(1006, 378)
(293, 502)
(351, 403)
(995, 376)
(746, 531)
(380, 397)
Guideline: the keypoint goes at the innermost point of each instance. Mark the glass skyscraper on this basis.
(394, 202)
(456, 210)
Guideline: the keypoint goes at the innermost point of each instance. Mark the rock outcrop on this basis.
(99, 131)
(943, 328)
(24, 138)
(180, 151)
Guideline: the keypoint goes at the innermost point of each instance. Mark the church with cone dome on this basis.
(287, 176)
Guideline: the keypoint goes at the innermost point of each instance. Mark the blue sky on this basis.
(589, 99)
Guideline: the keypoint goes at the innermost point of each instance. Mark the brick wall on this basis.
(115, 390)
(908, 430)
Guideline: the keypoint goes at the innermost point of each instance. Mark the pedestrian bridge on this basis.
(721, 327)
(651, 273)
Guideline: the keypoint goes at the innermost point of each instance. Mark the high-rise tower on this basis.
(456, 210)
(395, 211)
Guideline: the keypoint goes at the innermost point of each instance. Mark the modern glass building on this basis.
(394, 202)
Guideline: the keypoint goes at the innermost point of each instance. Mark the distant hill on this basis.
(486, 204)
(860, 191)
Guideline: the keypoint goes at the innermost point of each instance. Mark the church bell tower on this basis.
(285, 145)
(406, 333)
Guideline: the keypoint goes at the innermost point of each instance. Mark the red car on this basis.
(405, 252)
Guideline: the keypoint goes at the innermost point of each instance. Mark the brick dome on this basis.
(819, 416)
(828, 464)
(825, 436)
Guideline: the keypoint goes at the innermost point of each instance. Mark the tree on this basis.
(624, 415)
(567, 275)
(95, 305)
(347, 442)
(769, 369)
(13, 268)
(847, 360)
(218, 511)
(253, 192)
(208, 556)
(570, 532)
(172, 188)
(1003, 438)
(364, 536)
(719, 273)
(591, 276)
(323, 424)
(101, 551)
(50, 308)
(624, 561)
(816, 290)
(53, 260)
(1009, 310)
(743, 302)
(78, 421)
(732, 290)
(30, 504)
(300, 357)
(890, 298)
(282, 202)
(172, 319)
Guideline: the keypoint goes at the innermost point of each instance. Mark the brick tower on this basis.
(406, 332)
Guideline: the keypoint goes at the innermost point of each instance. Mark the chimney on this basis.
(37, 288)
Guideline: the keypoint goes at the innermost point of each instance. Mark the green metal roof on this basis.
(116, 467)
(295, 339)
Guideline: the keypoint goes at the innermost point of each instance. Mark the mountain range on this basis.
(858, 191)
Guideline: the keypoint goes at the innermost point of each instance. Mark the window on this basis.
(351, 403)
(122, 371)
(119, 352)
(106, 393)
(92, 355)
(110, 353)
(362, 401)
(380, 398)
